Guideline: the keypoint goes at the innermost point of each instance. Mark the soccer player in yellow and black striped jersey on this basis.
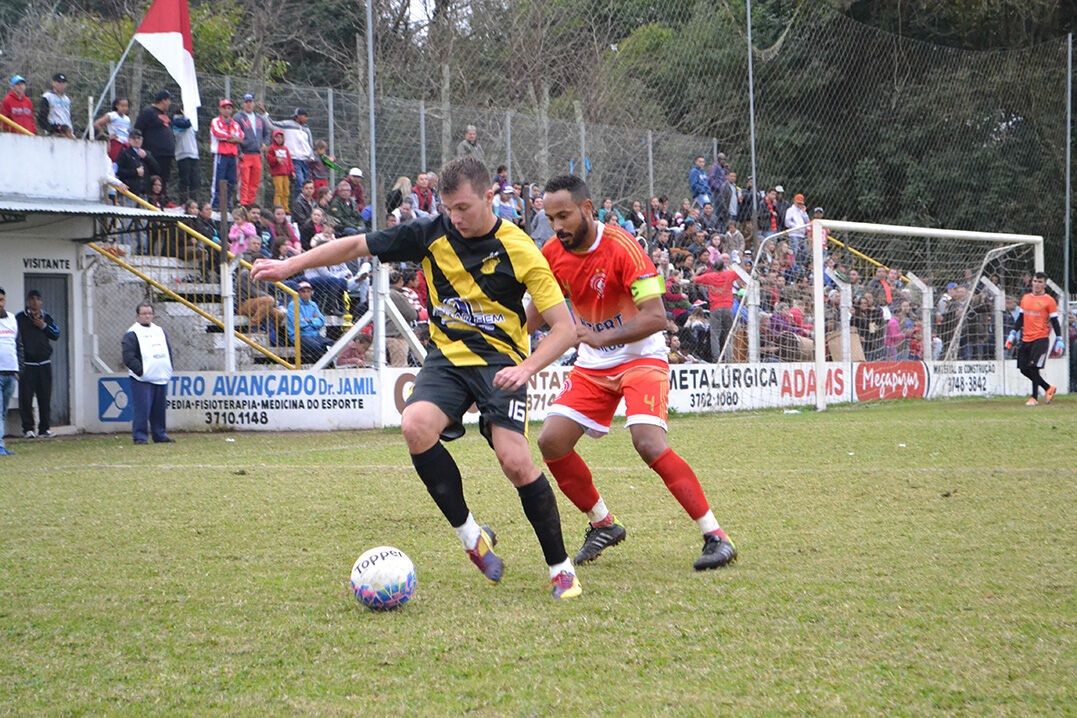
(477, 270)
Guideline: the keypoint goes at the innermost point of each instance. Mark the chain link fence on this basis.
(867, 125)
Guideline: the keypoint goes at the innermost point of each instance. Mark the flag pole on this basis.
(111, 80)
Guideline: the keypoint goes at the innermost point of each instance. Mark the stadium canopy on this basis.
(15, 209)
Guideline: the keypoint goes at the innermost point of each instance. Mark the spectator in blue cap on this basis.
(257, 131)
(18, 108)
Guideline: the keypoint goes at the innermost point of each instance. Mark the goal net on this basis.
(884, 295)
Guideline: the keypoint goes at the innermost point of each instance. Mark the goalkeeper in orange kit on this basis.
(1037, 317)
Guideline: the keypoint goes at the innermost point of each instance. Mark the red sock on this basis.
(681, 482)
(574, 480)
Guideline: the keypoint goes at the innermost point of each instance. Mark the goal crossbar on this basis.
(905, 231)
(818, 228)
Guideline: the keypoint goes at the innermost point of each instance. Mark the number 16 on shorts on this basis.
(518, 411)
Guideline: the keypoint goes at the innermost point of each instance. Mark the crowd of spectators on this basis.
(703, 245)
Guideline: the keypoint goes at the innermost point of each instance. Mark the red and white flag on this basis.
(165, 32)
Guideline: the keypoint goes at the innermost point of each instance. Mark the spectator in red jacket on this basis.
(355, 179)
(719, 283)
(422, 197)
(225, 135)
(17, 107)
(281, 169)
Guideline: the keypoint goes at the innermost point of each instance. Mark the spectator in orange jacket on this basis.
(17, 107)
(281, 169)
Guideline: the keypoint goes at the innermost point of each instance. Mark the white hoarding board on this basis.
(261, 401)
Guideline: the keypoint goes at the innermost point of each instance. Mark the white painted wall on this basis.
(52, 167)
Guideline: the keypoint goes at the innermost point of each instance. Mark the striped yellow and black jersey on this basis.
(476, 287)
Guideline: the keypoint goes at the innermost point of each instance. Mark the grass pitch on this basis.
(905, 558)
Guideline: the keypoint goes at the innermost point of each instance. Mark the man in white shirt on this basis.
(796, 221)
(9, 364)
(148, 358)
(300, 143)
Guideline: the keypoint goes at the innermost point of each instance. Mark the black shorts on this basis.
(1033, 353)
(453, 389)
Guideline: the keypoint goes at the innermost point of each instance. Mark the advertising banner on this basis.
(259, 401)
(355, 399)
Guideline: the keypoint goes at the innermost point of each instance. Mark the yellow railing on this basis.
(865, 260)
(211, 246)
(15, 126)
(190, 305)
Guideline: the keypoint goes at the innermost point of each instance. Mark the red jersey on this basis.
(604, 284)
(1037, 313)
(719, 287)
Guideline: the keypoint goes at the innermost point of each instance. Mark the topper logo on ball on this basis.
(373, 559)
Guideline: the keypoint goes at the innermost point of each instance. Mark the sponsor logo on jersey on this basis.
(460, 310)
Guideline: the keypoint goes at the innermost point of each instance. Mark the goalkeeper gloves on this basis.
(1010, 339)
(1059, 346)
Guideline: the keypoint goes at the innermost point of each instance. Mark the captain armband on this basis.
(646, 287)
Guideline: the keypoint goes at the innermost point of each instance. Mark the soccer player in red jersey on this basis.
(616, 296)
(1038, 315)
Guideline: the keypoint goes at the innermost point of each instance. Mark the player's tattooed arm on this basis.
(562, 336)
(534, 319)
(651, 319)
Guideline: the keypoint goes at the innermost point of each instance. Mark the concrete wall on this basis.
(52, 167)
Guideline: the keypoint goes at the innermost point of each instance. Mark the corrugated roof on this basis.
(97, 209)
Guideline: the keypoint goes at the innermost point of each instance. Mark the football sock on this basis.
(469, 532)
(540, 507)
(557, 568)
(599, 515)
(709, 526)
(574, 479)
(682, 483)
(707, 523)
(441, 475)
(1033, 374)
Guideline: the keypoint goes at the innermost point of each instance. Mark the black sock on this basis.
(540, 507)
(1033, 374)
(441, 475)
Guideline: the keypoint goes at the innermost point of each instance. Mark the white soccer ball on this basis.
(383, 578)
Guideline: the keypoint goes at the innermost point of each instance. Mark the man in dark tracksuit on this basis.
(37, 331)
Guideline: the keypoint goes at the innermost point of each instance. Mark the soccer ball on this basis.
(383, 578)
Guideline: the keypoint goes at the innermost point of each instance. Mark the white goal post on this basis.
(995, 244)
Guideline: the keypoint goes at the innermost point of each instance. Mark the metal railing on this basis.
(15, 126)
(194, 282)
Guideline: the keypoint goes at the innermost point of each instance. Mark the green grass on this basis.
(906, 558)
